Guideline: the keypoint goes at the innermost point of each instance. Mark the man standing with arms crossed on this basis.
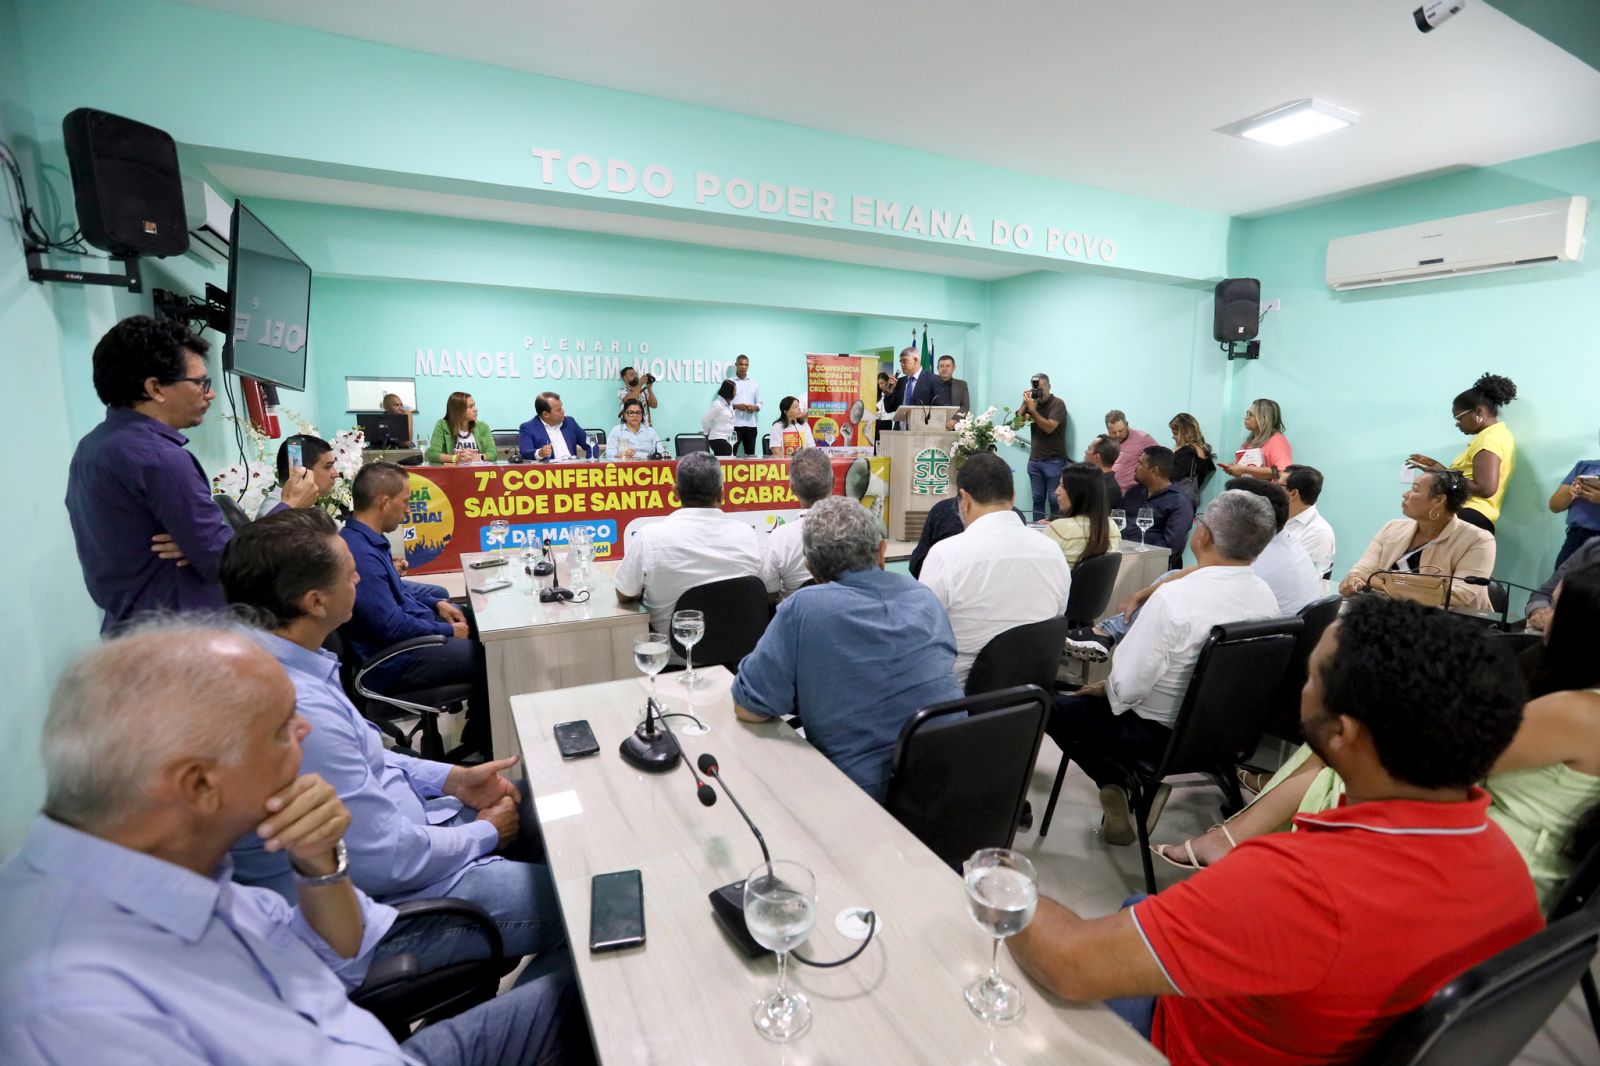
(746, 403)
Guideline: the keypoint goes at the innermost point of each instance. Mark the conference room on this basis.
(735, 497)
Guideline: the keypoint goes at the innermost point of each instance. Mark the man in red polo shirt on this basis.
(1304, 947)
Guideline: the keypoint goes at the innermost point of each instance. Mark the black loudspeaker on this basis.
(126, 183)
(1237, 313)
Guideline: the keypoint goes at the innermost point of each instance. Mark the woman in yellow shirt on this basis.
(1491, 455)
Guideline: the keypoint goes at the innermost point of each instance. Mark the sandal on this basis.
(1194, 862)
(1253, 780)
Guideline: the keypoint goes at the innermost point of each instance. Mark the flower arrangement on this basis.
(979, 433)
(251, 481)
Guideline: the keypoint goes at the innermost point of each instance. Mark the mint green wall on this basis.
(1365, 378)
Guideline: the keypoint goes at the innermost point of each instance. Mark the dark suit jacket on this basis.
(535, 435)
(930, 390)
(958, 395)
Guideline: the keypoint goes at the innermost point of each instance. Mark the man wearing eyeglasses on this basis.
(148, 534)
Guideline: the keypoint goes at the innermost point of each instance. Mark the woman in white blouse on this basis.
(791, 417)
(717, 422)
(632, 439)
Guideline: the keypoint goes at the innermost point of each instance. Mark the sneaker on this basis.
(1087, 646)
(1117, 825)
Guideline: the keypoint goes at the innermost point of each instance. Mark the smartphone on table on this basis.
(616, 910)
(575, 739)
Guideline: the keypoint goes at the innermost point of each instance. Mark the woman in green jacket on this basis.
(459, 437)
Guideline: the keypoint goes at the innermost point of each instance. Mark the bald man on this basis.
(123, 935)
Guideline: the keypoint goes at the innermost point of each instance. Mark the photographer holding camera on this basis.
(635, 387)
(1049, 452)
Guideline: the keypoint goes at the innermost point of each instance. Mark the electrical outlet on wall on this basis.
(1270, 305)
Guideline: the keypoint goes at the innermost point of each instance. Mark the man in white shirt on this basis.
(636, 386)
(695, 545)
(1306, 524)
(1129, 716)
(784, 566)
(997, 574)
(1283, 564)
(746, 404)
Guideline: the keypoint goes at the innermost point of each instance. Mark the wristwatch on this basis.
(341, 870)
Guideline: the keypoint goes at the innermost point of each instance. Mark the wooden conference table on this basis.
(685, 996)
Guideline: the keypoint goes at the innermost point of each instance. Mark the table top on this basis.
(517, 611)
(686, 994)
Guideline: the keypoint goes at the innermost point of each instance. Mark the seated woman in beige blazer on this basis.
(1430, 539)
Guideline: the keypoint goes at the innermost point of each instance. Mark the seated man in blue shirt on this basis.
(124, 940)
(421, 828)
(389, 610)
(148, 534)
(856, 654)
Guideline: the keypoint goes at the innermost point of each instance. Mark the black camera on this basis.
(649, 379)
(1035, 393)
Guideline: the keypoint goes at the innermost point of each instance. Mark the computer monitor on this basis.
(385, 430)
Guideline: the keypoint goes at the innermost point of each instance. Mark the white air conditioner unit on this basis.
(1550, 231)
(210, 219)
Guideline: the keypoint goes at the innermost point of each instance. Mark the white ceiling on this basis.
(1124, 96)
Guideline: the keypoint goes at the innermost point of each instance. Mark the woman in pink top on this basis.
(1265, 450)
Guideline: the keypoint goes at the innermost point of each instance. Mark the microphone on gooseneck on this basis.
(708, 765)
(555, 591)
(703, 792)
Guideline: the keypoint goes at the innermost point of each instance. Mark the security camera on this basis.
(1433, 12)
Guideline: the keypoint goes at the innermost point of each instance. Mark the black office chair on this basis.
(737, 612)
(1092, 582)
(684, 443)
(411, 460)
(232, 513)
(1314, 617)
(766, 444)
(1499, 597)
(958, 783)
(1487, 1015)
(1220, 722)
(401, 995)
(1022, 655)
(383, 710)
(508, 441)
(1582, 892)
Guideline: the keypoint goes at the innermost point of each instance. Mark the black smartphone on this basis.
(575, 738)
(484, 564)
(616, 910)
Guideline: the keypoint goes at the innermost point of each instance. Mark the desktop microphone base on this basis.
(543, 568)
(654, 753)
(727, 905)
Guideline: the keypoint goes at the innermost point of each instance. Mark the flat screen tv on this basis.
(269, 290)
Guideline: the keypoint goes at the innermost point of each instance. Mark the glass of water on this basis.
(1002, 893)
(1119, 518)
(650, 654)
(688, 627)
(499, 531)
(1145, 520)
(580, 544)
(780, 907)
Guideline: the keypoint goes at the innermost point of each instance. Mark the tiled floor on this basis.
(1077, 868)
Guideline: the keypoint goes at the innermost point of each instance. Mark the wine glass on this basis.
(499, 530)
(1002, 893)
(1119, 518)
(650, 653)
(780, 907)
(688, 627)
(1145, 520)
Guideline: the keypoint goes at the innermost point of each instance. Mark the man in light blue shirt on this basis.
(856, 655)
(124, 938)
(421, 828)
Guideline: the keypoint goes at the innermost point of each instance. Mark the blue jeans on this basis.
(1138, 1011)
(539, 1021)
(1044, 475)
(433, 593)
(1116, 627)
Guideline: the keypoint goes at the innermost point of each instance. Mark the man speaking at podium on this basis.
(917, 387)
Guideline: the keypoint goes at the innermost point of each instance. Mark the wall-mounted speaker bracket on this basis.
(129, 279)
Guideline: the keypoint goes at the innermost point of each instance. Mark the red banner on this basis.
(454, 508)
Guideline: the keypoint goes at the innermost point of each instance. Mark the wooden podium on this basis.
(920, 475)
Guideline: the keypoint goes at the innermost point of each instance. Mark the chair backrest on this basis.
(232, 513)
(766, 444)
(1582, 889)
(1229, 698)
(599, 435)
(961, 770)
(737, 613)
(684, 443)
(1092, 582)
(1487, 1015)
(1499, 597)
(1023, 655)
(507, 438)
(1314, 617)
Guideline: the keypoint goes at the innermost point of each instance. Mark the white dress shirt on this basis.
(1151, 669)
(1289, 572)
(1315, 536)
(745, 390)
(995, 575)
(717, 422)
(692, 546)
(558, 442)
(784, 566)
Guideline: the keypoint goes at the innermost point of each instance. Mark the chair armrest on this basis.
(404, 647)
(389, 973)
(447, 907)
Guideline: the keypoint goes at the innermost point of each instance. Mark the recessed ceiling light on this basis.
(1293, 122)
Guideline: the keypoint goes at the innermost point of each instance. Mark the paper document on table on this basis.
(557, 805)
